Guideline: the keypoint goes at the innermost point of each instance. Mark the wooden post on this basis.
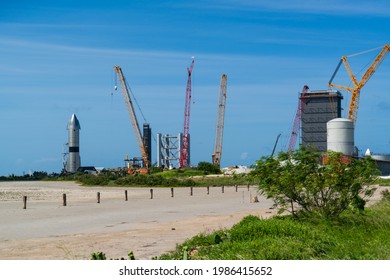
(191, 191)
(24, 202)
(172, 194)
(223, 189)
(236, 188)
(248, 186)
(64, 199)
(208, 189)
(98, 197)
(151, 193)
(126, 195)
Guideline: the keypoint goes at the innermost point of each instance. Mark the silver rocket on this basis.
(73, 162)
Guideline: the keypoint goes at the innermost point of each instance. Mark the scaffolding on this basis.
(169, 149)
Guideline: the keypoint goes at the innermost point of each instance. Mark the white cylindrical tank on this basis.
(340, 136)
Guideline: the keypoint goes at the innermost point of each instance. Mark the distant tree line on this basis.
(35, 176)
(155, 178)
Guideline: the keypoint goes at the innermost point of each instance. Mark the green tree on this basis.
(208, 167)
(299, 182)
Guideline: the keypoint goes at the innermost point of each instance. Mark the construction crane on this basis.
(216, 157)
(183, 161)
(276, 143)
(133, 119)
(297, 120)
(357, 85)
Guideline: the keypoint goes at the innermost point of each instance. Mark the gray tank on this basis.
(381, 157)
(73, 162)
(340, 136)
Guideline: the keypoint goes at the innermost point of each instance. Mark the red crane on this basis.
(297, 120)
(184, 162)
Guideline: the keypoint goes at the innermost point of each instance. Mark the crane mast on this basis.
(297, 120)
(216, 157)
(357, 85)
(133, 117)
(183, 162)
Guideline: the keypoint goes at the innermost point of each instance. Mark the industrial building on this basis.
(147, 139)
(319, 107)
(318, 122)
(382, 161)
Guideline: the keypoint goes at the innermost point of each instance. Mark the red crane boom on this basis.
(183, 162)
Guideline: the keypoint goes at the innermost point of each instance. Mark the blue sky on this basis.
(56, 59)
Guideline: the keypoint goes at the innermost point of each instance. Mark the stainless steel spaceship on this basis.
(73, 162)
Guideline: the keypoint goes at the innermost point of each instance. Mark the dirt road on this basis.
(146, 226)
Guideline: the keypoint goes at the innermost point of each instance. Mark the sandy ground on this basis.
(148, 227)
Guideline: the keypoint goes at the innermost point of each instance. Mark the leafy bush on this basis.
(98, 256)
(152, 180)
(298, 179)
(209, 167)
(93, 180)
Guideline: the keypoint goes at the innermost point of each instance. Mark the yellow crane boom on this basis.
(357, 85)
(133, 117)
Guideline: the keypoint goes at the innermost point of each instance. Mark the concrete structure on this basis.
(340, 136)
(320, 107)
(73, 161)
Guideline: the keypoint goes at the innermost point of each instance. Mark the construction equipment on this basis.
(357, 85)
(184, 157)
(134, 123)
(216, 157)
(297, 120)
(276, 143)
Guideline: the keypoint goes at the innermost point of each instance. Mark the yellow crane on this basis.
(357, 85)
(133, 118)
(216, 157)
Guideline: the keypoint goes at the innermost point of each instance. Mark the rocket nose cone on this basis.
(74, 123)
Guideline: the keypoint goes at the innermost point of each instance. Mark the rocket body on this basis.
(73, 162)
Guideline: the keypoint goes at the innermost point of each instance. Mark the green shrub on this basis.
(208, 167)
(93, 180)
(349, 236)
(298, 179)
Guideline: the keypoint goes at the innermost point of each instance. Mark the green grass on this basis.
(352, 236)
(383, 182)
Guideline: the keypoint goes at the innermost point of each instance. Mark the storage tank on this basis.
(340, 136)
(381, 157)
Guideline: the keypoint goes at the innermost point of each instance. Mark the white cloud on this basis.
(244, 155)
(324, 7)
